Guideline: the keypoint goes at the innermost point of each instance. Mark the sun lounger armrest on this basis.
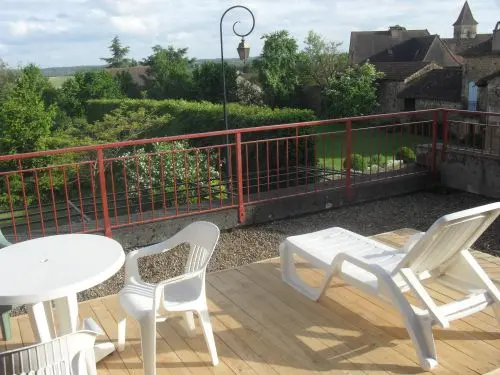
(361, 262)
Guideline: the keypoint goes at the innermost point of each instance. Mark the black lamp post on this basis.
(243, 52)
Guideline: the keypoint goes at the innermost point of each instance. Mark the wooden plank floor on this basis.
(262, 326)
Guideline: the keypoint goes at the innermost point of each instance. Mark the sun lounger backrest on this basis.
(449, 235)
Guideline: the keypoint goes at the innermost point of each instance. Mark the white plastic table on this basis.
(56, 268)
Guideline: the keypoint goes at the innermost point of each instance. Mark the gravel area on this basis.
(241, 246)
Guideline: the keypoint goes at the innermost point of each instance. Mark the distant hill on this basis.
(63, 71)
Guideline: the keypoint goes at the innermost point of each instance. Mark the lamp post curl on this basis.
(243, 52)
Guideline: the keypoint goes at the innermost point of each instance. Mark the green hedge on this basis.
(199, 117)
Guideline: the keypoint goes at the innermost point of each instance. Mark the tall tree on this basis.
(25, 116)
(88, 85)
(169, 71)
(277, 67)
(207, 80)
(118, 55)
(320, 60)
(352, 92)
(8, 78)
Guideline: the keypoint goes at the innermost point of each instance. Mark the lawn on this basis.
(331, 144)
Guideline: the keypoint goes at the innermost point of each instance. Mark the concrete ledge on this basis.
(146, 234)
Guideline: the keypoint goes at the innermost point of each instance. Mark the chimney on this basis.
(495, 44)
(397, 31)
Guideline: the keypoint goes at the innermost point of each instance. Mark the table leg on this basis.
(67, 314)
(42, 329)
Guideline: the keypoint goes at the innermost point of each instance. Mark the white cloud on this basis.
(97, 13)
(135, 25)
(24, 27)
(83, 34)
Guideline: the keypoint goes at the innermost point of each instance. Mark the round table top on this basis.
(56, 266)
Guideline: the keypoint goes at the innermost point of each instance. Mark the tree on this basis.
(352, 92)
(207, 82)
(118, 55)
(248, 93)
(127, 85)
(25, 117)
(87, 85)
(277, 67)
(8, 78)
(320, 61)
(169, 69)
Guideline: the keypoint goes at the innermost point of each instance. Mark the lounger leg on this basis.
(420, 330)
(290, 276)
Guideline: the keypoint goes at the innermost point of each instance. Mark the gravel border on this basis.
(241, 246)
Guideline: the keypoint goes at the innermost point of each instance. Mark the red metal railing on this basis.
(103, 187)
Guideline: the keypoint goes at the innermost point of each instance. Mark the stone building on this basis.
(489, 101)
(406, 57)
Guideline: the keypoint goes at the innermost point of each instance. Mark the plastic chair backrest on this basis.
(3, 241)
(72, 354)
(449, 235)
(202, 237)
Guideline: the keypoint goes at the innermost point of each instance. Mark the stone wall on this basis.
(421, 104)
(387, 96)
(489, 101)
(465, 170)
(476, 68)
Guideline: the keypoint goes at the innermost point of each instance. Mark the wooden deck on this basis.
(263, 326)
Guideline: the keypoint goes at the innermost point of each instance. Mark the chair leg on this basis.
(209, 335)
(122, 331)
(189, 322)
(148, 344)
(5, 323)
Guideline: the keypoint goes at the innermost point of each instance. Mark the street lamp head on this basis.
(243, 50)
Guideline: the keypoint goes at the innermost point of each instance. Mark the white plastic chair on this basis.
(439, 255)
(150, 303)
(72, 354)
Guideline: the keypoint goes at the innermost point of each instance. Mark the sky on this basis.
(78, 32)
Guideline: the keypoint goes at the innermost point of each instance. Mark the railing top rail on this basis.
(137, 142)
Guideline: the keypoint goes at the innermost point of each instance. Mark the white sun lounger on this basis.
(439, 255)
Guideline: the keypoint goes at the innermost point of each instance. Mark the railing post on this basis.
(239, 178)
(348, 133)
(445, 135)
(434, 140)
(104, 196)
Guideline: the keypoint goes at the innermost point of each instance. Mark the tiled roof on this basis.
(484, 81)
(139, 73)
(364, 44)
(414, 49)
(399, 71)
(458, 46)
(438, 84)
(481, 49)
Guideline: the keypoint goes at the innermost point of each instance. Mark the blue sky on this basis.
(78, 32)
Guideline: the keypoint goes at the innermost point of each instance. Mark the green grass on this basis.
(331, 148)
